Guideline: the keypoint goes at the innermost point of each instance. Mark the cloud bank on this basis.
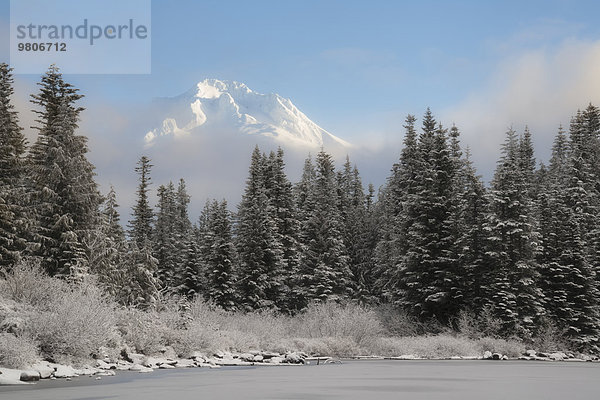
(540, 88)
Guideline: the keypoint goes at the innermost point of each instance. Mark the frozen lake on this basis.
(373, 380)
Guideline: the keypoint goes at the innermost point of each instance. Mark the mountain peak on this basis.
(214, 105)
(213, 88)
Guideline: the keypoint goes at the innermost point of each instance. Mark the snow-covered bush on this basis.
(141, 330)
(509, 347)
(74, 324)
(478, 325)
(17, 351)
(321, 320)
(26, 283)
(549, 338)
(436, 346)
(398, 322)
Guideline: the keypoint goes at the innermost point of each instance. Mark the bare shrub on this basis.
(550, 338)
(326, 320)
(141, 330)
(17, 351)
(397, 321)
(73, 326)
(435, 346)
(27, 283)
(478, 325)
(509, 347)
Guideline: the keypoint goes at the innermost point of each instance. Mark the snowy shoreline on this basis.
(135, 362)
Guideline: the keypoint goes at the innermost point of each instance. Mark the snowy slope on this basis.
(213, 106)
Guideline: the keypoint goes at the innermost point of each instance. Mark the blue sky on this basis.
(358, 67)
(342, 58)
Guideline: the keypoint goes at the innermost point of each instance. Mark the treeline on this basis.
(434, 241)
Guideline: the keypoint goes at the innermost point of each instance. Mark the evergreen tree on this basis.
(13, 217)
(142, 287)
(140, 227)
(358, 231)
(164, 244)
(431, 282)
(141, 266)
(280, 194)
(65, 196)
(298, 290)
(185, 246)
(106, 248)
(325, 273)
(395, 217)
(258, 243)
(365, 273)
(568, 227)
(512, 243)
(470, 235)
(220, 257)
(192, 262)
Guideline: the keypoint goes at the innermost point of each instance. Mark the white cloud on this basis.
(540, 88)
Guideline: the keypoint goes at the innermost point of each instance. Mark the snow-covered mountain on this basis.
(214, 107)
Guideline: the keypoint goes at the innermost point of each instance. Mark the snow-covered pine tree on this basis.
(192, 265)
(140, 265)
(164, 243)
(394, 216)
(280, 193)
(366, 273)
(572, 295)
(357, 229)
(220, 257)
(13, 215)
(140, 227)
(471, 235)
(106, 248)
(258, 245)
(587, 127)
(324, 264)
(431, 282)
(142, 287)
(303, 187)
(512, 244)
(185, 247)
(65, 198)
(298, 298)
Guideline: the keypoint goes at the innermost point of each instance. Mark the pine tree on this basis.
(431, 282)
(298, 297)
(258, 245)
(395, 217)
(142, 287)
(106, 248)
(470, 235)
(220, 257)
(358, 231)
(164, 247)
(192, 265)
(13, 216)
(365, 273)
(568, 226)
(324, 271)
(512, 244)
(185, 247)
(141, 266)
(65, 196)
(140, 227)
(280, 194)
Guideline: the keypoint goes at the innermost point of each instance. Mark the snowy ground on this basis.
(381, 379)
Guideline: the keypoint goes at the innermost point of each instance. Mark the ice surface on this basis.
(415, 380)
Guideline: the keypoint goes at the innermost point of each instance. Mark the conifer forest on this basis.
(434, 243)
